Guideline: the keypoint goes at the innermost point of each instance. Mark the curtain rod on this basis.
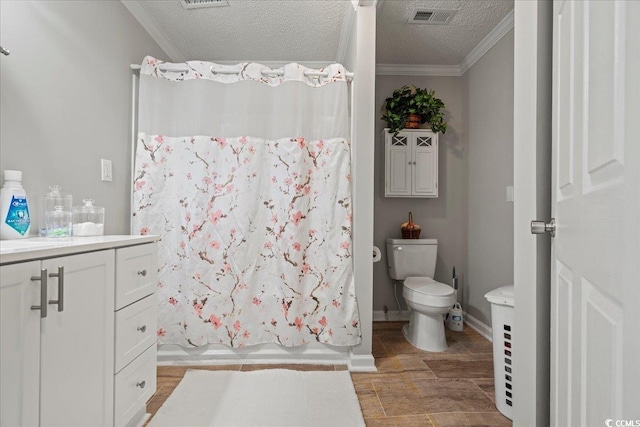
(264, 72)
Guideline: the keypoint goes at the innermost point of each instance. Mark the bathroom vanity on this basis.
(77, 330)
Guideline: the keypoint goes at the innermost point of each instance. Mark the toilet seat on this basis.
(426, 291)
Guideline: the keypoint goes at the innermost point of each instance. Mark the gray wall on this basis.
(488, 98)
(65, 99)
(471, 218)
(443, 218)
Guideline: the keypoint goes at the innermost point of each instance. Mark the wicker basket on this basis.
(410, 232)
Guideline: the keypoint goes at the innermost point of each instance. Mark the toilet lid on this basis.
(427, 286)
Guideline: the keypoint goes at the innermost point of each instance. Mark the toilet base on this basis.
(426, 332)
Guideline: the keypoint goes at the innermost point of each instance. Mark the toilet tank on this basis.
(411, 257)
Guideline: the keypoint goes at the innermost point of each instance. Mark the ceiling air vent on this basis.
(196, 4)
(432, 16)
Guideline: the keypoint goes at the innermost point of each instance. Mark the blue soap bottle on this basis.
(14, 208)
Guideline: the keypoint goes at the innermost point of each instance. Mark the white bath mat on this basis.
(273, 397)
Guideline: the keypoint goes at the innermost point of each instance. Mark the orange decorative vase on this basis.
(413, 122)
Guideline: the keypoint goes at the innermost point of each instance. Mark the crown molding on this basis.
(488, 42)
(152, 27)
(417, 70)
(483, 47)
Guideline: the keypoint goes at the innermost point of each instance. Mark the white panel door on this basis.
(19, 344)
(595, 296)
(77, 342)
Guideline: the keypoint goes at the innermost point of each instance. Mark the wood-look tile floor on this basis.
(411, 388)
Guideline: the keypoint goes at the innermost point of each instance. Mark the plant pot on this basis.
(413, 122)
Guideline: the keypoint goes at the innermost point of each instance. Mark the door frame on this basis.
(533, 30)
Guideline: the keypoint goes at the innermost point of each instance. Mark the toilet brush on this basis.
(454, 317)
(455, 284)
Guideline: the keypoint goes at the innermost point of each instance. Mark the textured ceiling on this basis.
(312, 30)
(398, 42)
(267, 30)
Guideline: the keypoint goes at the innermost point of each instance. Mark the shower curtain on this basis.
(245, 175)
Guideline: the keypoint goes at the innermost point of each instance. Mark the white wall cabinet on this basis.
(62, 366)
(411, 163)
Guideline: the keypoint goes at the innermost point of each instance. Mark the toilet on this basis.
(413, 261)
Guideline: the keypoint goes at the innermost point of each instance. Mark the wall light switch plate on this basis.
(107, 170)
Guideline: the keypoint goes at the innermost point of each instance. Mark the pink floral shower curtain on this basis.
(246, 177)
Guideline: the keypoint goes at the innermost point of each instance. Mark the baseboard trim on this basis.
(478, 326)
(390, 315)
(361, 363)
(395, 316)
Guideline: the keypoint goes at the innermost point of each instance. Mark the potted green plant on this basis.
(412, 101)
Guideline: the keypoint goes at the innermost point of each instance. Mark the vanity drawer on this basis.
(134, 385)
(135, 330)
(136, 273)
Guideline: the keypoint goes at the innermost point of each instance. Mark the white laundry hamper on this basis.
(502, 316)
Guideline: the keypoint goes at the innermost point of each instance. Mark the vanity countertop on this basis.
(12, 251)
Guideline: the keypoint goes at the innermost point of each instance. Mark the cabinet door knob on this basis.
(141, 384)
(142, 273)
(142, 328)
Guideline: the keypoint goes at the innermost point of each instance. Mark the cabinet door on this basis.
(77, 342)
(19, 344)
(425, 169)
(398, 165)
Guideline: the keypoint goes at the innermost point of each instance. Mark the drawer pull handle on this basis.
(60, 300)
(142, 273)
(141, 384)
(43, 293)
(142, 328)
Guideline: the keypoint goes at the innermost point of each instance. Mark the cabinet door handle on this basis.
(414, 163)
(142, 273)
(141, 384)
(43, 293)
(142, 328)
(60, 300)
